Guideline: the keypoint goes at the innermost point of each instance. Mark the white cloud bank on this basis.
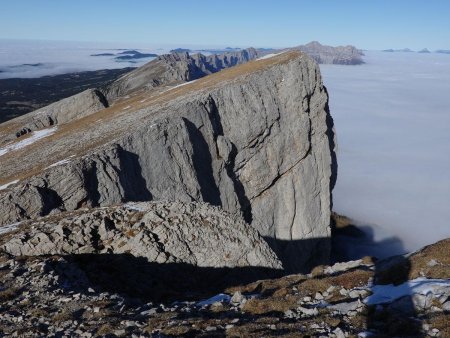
(392, 117)
(25, 59)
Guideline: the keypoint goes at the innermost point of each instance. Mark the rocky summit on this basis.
(256, 139)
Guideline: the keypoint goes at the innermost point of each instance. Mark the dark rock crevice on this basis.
(130, 177)
(90, 179)
(202, 162)
(50, 200)
(244, 201)
(331, 135)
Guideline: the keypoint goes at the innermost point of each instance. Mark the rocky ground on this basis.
(67, 291)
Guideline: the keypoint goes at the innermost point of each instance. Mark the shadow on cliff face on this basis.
(290, 252)
(130, 177)
(137, 278)
(202, 161)
(216, 123)
(331, 135)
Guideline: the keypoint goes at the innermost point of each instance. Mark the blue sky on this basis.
(368, 24)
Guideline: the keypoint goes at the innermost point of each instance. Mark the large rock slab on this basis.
(194, 233)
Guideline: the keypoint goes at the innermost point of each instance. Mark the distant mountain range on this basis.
(423, 51)
(128, 55)
(322, 54)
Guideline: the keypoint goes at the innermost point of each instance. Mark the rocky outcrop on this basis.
(342, 55)
(192, 233)
(256, 139)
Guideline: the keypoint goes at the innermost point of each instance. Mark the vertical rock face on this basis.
(255, 139)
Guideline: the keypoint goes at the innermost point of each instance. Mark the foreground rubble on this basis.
(88, 295)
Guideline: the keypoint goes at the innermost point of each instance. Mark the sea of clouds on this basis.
(392, 117)
(31, 58)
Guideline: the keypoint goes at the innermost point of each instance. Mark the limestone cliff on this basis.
(255, 139)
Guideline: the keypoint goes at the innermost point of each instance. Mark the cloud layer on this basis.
(392, 117)
(27, 59)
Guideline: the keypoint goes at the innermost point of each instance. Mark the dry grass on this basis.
(105, 329)
(441, 322)
(261, 328)
(269, 285)
(9, 294)
(352, 279)
(272, 304)
(157, 323)
(433, 262)
(39, 313)
(63, 316)
(440, 252)
(176, 331)
(340, 221)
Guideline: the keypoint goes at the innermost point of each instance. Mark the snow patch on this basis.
(127, 107)
(8, 228)
(221, 297)
(136, 206)
(182, 84)
(6, 185)
(67, 160)
(35, 136)
(268, 56)
(388, 293)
